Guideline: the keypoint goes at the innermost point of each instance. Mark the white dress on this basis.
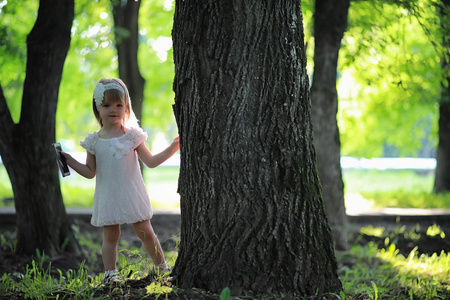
(120, 194)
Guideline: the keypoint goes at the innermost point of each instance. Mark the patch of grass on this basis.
(407, 199)
(40, 282)
(77, 196)
(368, 271)
(393, 188)
(162, 174)
(364, 181)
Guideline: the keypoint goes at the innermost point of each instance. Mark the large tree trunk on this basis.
(26, 148)
(251, 205)
(126, 29)
(330, 22)
(442, 176)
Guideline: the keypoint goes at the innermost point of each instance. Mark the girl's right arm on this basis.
(87, 170)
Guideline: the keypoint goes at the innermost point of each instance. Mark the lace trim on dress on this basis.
(119, 146)
(89, 142)
(137, 136)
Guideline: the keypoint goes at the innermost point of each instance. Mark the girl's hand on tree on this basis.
(176, 143)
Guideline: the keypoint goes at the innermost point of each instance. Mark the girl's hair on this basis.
(113, 95)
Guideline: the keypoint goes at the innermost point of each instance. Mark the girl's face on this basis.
(112, 112)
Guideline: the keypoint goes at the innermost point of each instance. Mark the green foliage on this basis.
(390, 83)
(156, 288)
(156, 64)
(389, 77)
(435, 230)
(8, 241)
(92, 55)
(13, 49)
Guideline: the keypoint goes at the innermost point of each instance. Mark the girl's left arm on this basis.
(152, 161)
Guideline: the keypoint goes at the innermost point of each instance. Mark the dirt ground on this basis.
(406, 236)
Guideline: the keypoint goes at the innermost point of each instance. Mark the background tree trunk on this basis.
(442, 177)
(330, 22)
(126, 30)
(251, 207)
(26, 148)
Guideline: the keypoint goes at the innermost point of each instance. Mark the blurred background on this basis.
(389, 86)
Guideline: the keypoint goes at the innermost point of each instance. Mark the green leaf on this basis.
(225, 294)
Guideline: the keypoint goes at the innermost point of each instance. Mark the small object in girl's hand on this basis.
(61, 160)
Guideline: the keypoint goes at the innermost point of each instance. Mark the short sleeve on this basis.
(89, 143)
(137, 136)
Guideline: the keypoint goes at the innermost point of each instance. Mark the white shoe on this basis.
(162, 269)
(111, 276)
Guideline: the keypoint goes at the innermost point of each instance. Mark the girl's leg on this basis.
(111, 235)
(144, 231)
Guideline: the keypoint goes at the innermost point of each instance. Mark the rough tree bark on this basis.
(26, 147)
(126, 30)
(251, 205)
(442, 176)
(330, 22)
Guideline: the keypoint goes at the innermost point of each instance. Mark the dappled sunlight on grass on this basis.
(373, 231)
(370, 272)
(436, 266)
(421, 274)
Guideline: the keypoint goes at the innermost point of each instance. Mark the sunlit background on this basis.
(388, 86)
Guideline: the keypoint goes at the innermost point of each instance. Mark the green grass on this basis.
(161, 174)
(386, 274)
(367, 181)
(366, 271)
(395, 189)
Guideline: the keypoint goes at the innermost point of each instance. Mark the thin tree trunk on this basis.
(251, 208)
(330, 22)
(442, 176)
(126, 17)
(26, 148)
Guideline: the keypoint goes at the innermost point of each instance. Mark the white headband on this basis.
(100, 89)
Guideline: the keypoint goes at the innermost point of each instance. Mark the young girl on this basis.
(120, 194)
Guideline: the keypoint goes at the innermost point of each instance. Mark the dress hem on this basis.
(121, 222)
